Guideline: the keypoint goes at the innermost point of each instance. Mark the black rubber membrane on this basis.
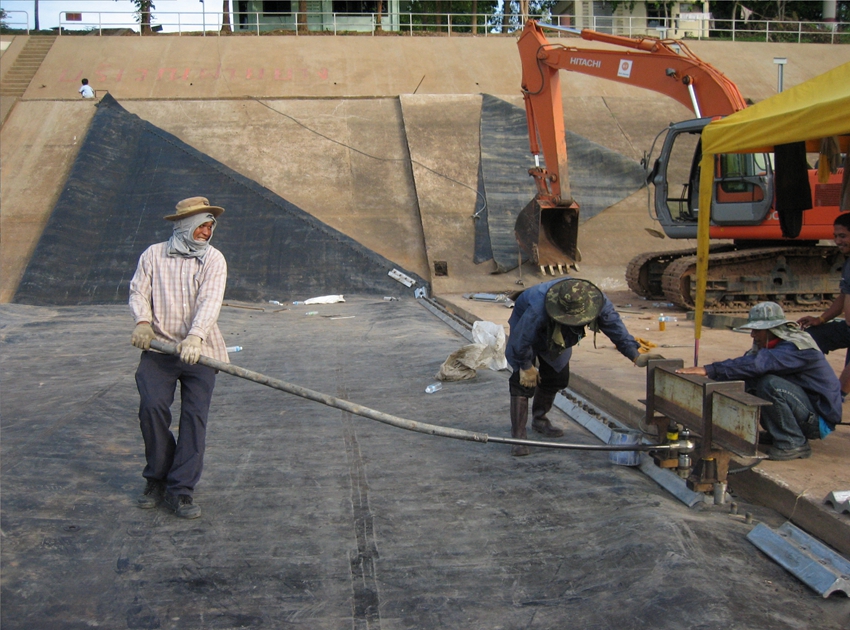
(316, 518)
(129, 174)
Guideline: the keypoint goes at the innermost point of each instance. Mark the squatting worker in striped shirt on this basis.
(175, 297)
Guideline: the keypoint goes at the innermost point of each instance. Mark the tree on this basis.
(421, 10)
(225, 17)
(143, 15)
(301, 18)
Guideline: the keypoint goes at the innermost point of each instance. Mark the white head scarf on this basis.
(182, 241)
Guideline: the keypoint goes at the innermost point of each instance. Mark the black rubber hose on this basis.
(401, 423)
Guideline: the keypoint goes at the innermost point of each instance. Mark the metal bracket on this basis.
(839, 500)
(406, 280)
(805, 557)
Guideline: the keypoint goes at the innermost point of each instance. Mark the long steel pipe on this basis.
(402, 423)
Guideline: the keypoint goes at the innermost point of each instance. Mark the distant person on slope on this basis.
(86, 90)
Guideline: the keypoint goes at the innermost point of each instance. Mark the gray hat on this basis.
(573, 302)
(764, 316)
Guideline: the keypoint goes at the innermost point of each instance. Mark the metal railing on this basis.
(10, 22)
(445, 24)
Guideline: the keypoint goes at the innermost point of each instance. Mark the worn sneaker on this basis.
(152, 494)
(182, 505)
(786, 454)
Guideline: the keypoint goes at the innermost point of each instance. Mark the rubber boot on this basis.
(539, 408)
(519, 418)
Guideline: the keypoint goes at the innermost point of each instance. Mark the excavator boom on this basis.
(659, 65)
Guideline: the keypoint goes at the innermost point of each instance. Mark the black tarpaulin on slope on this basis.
(599, 177)
(129, 174)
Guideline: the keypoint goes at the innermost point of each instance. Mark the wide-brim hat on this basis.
(764, 316)
(574, 302)
(192, 206)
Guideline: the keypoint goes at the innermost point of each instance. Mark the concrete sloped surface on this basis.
(36, 160)
(316, 518)
(345, 161)
(128, 176)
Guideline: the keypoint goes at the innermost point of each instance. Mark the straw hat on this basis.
(573, 302)
(192, 206)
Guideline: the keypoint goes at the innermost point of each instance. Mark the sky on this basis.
(114, 13)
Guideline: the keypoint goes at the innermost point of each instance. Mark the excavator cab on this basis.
(743, 189)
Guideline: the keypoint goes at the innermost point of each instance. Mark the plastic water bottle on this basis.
(662, 322)
(312, 313)
(297, 302)
(274, 302)
(234, 348)
(433, 387)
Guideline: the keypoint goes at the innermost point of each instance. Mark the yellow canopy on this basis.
(816, 109)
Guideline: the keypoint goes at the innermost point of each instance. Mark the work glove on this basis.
(142, 336)
(645, 345)
(190, 349)
(529, 377)
(642, 360)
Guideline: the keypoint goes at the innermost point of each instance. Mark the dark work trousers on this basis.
(791, 419)
(831, 336)
(551, 381)
(179, 463)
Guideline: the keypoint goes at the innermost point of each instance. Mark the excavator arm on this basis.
(547, 228)
(662, 66)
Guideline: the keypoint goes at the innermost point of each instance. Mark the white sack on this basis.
(325, 299)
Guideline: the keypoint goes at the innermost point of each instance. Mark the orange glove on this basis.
(529, 377)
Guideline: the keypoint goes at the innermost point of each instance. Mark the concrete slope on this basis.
(344, 161)
(38, 144)
(127, 176)
(327, 67)
(333, 153)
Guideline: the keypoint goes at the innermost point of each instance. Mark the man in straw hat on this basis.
(175, 297)
(547, 321)
(786, 367)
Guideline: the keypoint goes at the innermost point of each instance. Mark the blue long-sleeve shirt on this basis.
(806, 368)
(529, 328)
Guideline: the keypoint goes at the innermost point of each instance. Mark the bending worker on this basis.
(176, 296)
(786, 367)
(547, 321)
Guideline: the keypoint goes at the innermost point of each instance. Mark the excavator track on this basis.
(645, 271)
(798, 278)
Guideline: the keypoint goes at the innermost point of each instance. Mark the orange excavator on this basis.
(758, 260)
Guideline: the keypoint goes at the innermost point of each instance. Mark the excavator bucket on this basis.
(548, 235)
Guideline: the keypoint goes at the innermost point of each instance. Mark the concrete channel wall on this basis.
(316, 120)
